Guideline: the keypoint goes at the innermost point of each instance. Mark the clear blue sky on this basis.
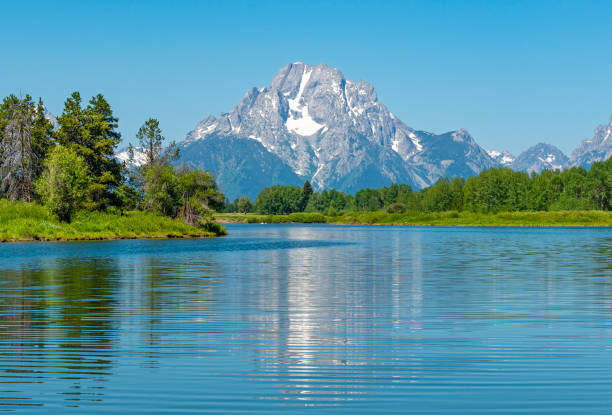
(513, 73)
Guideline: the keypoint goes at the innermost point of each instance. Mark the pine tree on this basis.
(306, 193)
(91, 133)
(42, 137)
(150, 139)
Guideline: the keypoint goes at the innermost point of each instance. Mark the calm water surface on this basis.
(311, 319)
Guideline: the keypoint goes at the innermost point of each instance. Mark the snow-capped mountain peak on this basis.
(336, 133)
(540, 157)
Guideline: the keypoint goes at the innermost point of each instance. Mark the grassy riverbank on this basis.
(560, 218)
(31, 222)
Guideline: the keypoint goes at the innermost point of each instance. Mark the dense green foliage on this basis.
(190, 195)
(64, 183)
(71, 167)
(279, 200)
(244, 205)
(91, 132)
(493, 191)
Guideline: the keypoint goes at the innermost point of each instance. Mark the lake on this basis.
(311, 319)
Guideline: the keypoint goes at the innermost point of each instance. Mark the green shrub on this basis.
(307, 218)
(215, 228)
(64, 183)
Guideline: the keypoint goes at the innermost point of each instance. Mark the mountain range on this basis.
(313, 124)
(546, 156)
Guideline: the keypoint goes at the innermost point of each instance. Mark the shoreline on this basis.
(424, 225)
(108, 238)
(558, 219)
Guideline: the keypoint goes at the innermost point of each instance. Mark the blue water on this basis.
(311, 319)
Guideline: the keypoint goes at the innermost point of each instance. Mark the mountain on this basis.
(503, 158)
(596, 149)
(241, 167)
(540, 157)
(452, 154)
(232, 162)
(313, 124)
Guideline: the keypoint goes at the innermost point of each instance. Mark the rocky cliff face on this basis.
(596, 149)
(335, 133)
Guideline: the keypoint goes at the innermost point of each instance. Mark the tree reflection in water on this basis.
(56, 324)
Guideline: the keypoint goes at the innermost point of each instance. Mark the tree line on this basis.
(494, 190)
(71, 166)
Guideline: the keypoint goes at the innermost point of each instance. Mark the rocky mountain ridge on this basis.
(546, 156)
(596, 149)
(540, 157)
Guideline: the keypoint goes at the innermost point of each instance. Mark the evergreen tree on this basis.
(42, 137)
(306, 193)
(150, 139)
(91, 133)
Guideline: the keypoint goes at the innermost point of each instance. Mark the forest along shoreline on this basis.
(60, 179)
(496, 197)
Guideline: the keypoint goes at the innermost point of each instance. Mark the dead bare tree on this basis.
(18, 156)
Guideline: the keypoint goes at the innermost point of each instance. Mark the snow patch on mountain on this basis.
(504, 158)
(299, 120)
(416, 141)
(395, 145)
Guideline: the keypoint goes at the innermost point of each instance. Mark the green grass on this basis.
(30, 222)
(253, 218)
(559, 218)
